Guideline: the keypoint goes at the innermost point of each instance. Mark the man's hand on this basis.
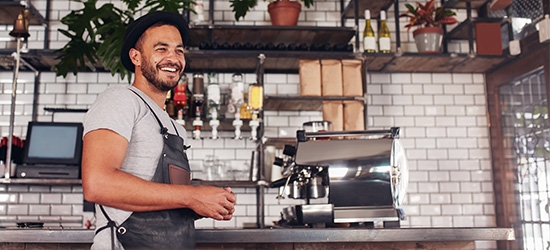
(213, 202)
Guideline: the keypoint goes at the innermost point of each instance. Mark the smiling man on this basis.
(134, 165)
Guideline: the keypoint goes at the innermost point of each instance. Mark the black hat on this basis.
(137, 27)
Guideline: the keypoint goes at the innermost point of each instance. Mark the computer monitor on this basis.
(55, 143)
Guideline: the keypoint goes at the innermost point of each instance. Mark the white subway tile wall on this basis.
(442, 116)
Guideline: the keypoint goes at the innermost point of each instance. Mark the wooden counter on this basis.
(283, 239)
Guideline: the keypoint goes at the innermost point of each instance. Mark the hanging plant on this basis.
(96, 34)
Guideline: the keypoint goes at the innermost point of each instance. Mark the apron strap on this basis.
(110, 224)
(164, 129)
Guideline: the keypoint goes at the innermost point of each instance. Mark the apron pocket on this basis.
(178, 175)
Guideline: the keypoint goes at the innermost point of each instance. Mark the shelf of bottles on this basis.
(200, 102)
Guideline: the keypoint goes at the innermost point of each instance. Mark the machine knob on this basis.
(289, 150)
(278, 161)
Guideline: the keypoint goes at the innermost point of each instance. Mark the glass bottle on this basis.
(214, 96)
(236, 100)
(198, 95)
(180, 98)
(169, 105)
(384, 41)
(244, 109)
(255, 97)
(198, 7)
(369, 42)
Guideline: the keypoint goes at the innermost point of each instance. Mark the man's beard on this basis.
(150, 73)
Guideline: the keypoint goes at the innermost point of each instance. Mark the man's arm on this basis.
(104, 183)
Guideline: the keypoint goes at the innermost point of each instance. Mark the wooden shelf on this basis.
(288, 61)
(246, 60)
(461, 4)
(433, 63)
(270, 34)
(375, 6)
(301, 103)
(10, 9)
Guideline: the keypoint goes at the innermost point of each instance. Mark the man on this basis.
(134, 163)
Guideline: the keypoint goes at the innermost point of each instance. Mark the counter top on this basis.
(281, 235)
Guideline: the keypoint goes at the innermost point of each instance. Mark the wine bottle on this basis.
(225, 46)
(316, 47)
(204, 45)
(248, 46)
(198, 7)
(258, 46)
(369, 42)
(215, 45)
(269, 46)
(292, 46)
(237, 46)
(280, 46)
(303, 47)
(384, 42)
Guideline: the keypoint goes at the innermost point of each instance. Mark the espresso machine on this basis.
(348, 177)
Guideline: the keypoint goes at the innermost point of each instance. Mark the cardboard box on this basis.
(331, 78)
(354, 115)
(333, 111)
(310, 78)
(352, 77)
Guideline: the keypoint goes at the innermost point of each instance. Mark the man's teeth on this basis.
(169, 69)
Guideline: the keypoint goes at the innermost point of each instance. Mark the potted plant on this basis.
(282, 12)
(428, 19)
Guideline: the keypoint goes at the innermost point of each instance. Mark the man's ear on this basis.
(135, 56)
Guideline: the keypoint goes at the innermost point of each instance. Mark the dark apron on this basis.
(164, 229)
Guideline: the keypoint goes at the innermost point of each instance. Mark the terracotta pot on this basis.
(284, 12)
(428, 39)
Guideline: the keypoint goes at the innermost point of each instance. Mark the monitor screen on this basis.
(53, 143)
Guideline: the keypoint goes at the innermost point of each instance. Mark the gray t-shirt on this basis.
(120, 110)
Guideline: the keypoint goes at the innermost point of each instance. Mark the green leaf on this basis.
(241, 7)
(411, 9)
(308, 3)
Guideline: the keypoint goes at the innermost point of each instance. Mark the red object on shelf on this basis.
(16, 149)
(488, 38)
(180, 95)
